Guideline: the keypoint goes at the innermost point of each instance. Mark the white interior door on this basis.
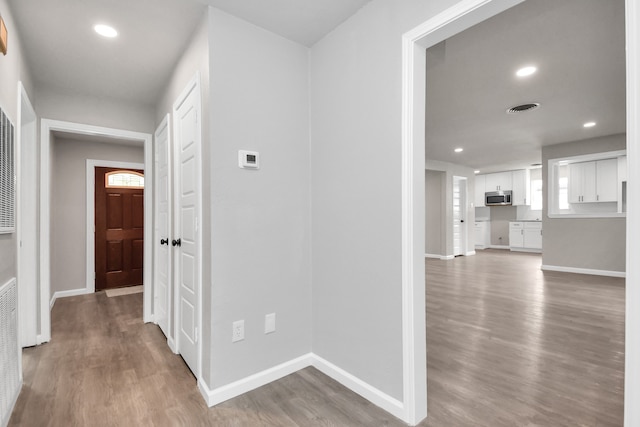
(27, 224)
(459, 215)
(186, 233)
(162, 232)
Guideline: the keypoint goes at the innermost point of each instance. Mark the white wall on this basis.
(68, 206)
(12, 70)
(356, 93)
(90, 110)
(260, 259)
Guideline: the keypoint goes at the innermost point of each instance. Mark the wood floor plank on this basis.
(508, 345)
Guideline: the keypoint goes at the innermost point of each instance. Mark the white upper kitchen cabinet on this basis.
(521, 187)
(607, 180)
(500, 181)
(594, 181)
(480, 189)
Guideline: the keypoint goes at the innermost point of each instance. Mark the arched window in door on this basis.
(124, 179)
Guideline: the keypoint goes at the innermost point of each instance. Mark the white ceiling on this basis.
(578, 47)
(303, 21)
(65, 54)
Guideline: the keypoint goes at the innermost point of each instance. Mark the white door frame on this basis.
(461, 16)
(47, 126)
(26, 235)
(92, 164)
(457, 18)
(193, 85)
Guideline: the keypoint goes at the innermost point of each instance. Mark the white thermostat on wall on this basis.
(249, 159)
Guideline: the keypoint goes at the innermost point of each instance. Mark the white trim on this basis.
(374, 395)
(90, 212)
(27, 291)
(504, 247)
(66, 294)
(14, 399)
(236, 388)
(632, 314)
(457, 18)
(530, 250)
(470, 253)
(590, 271)
(172, 345)
(252, 382)
(46, 127)
(441, 257)
(594, 215)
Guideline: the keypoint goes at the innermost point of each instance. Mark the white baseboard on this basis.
(237, 388)
(372, 394)
(229, 391)
(441, 257)
(172, 345)
(498, 247)
(534, 251)
(64, 294)
(470, 253)
(584, 271)
(12, 405)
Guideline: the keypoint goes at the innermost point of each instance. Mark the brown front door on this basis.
(119, 233)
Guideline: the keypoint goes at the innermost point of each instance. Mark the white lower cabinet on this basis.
(482, 234)
(525, 236)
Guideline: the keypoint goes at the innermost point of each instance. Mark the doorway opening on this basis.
(52, 205)
(432, 32)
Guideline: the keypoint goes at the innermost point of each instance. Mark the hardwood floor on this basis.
(508, 345)
(511, 345)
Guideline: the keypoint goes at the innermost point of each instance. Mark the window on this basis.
(7, 176)
(124, 179)
(563, 191)
(536, 194)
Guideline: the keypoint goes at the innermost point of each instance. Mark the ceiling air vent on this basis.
(522, 108)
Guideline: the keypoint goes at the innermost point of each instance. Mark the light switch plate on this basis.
(270, 323)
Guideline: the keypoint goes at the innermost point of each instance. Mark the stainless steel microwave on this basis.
(497, 198)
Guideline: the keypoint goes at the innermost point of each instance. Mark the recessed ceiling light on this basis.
(589, 124)
(458, 150)
(105, 30)
(476, 171)
(526, 71)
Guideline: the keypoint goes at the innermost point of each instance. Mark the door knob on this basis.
(164, 241)
(176, 242)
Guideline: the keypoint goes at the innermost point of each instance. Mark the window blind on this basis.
(7, 176)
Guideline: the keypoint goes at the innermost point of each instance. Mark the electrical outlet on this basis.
(238, 331)
(270, 323)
